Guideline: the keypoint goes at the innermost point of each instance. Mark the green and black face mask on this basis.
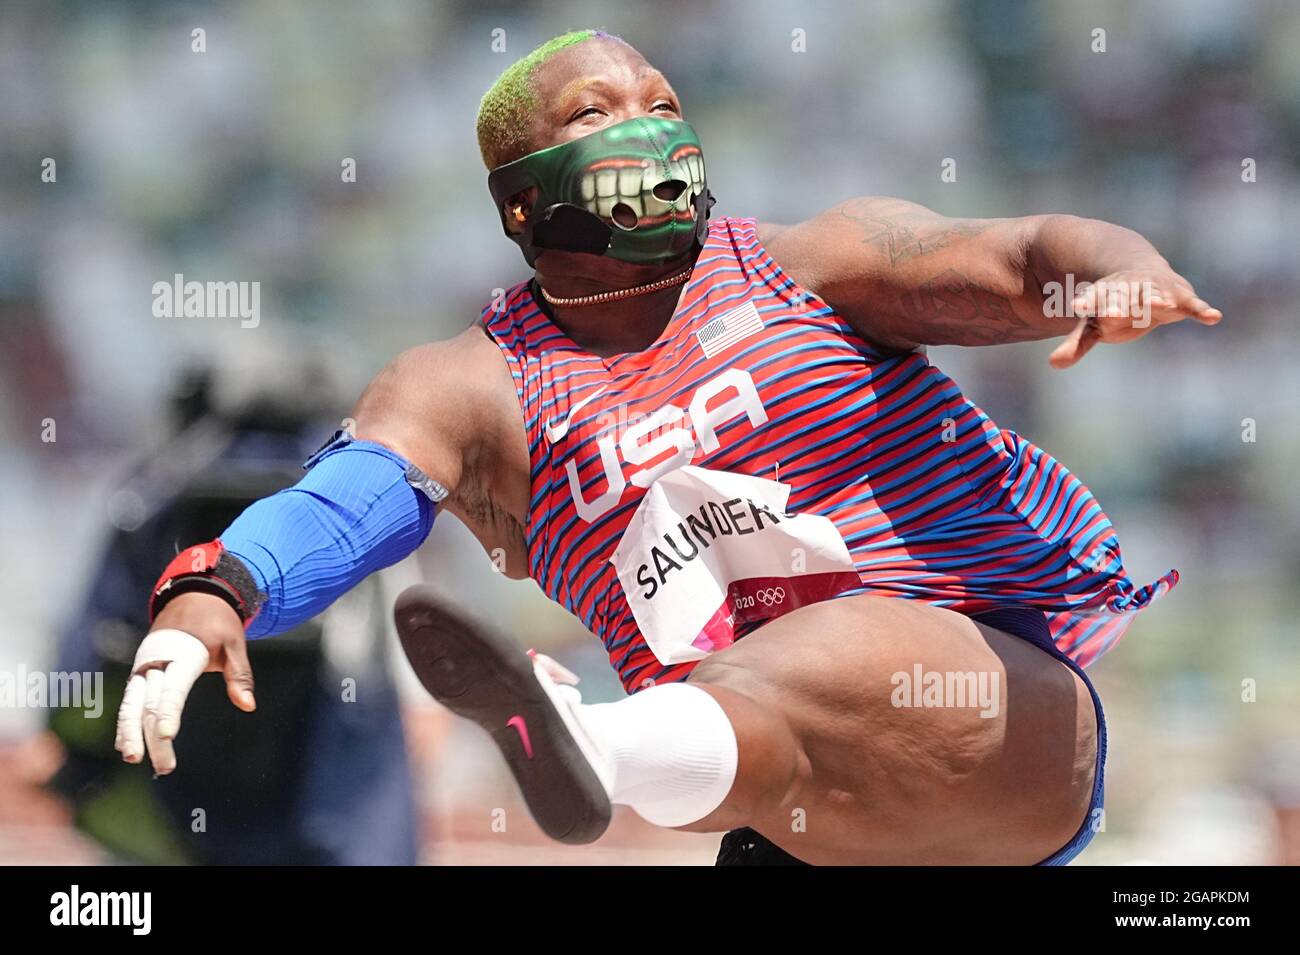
(635, 191)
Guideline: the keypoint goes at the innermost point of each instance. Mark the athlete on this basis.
(851, 613)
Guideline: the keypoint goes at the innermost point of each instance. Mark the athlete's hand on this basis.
(1123, 306)
(194, 633)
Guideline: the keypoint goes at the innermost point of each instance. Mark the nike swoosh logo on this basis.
(555, 432)
(522, 729)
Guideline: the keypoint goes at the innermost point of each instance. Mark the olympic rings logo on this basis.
(768, 597)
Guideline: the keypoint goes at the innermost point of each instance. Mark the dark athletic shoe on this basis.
(482, 675)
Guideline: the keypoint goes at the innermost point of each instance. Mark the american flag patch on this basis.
(728, 328)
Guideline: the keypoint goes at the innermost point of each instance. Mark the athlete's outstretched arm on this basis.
(366, 502)
(905, 276)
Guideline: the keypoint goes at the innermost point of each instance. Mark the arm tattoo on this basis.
(908, 234)
(938, 305)
(488, 520)
(951, 309)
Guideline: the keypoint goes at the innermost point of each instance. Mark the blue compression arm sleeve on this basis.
(361, 507)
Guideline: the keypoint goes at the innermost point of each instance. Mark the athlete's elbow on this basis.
(360, 508)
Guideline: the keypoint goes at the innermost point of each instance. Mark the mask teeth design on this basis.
(629, 182)
(604, 189)
(606, 192)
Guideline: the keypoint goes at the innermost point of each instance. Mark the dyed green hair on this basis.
(503, 114)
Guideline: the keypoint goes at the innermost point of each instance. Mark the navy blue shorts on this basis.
(747, 847)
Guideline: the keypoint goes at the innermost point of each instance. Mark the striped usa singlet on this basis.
(684, 454)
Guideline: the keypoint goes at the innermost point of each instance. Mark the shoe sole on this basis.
(484, 676)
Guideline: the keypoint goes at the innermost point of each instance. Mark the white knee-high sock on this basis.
(673, 751)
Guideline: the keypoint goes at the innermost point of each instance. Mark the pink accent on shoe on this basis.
(521, 728)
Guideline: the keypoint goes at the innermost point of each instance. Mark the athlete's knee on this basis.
(773, 763)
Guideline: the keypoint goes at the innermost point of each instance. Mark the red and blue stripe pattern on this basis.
(934, 501)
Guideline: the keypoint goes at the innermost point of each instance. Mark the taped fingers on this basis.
(130, 736)
(166, 666)
(161, 753)
(178, 679)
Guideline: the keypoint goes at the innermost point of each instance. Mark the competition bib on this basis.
(709, 550)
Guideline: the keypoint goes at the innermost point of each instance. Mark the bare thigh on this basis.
(843, 759)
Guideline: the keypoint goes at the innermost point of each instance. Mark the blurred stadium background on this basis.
(225, 165)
